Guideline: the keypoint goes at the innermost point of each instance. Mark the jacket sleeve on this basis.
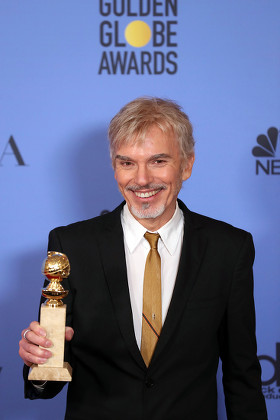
(238, 349)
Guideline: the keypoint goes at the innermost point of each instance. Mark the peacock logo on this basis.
(266, 144)
(266, 148)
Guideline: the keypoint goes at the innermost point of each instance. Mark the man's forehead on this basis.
(157, 136)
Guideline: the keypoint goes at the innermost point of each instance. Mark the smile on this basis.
(146, 194)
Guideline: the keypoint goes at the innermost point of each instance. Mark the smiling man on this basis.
(158, 294)
(149, 173)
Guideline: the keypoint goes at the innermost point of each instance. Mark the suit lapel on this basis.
(193, 250)
(113, 259)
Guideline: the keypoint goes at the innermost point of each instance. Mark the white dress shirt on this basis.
(136, 251)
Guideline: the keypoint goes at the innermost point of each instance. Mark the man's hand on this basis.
(33, 337)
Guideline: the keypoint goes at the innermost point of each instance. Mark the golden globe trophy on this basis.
(55, 267)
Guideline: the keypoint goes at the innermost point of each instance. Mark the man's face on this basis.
(150, 175)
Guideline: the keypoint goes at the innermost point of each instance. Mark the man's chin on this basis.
(147, 212)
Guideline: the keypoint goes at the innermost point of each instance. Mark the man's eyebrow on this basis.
(121, 157)
(153, 157)
(160, 156)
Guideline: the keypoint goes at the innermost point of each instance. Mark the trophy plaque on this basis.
(55, 267)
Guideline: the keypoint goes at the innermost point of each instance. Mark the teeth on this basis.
(146, 194)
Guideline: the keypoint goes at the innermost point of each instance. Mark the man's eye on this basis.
(159, 161)
(126, 163)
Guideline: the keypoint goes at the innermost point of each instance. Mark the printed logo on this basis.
(271, 375)
(139, 37)
(11, 149)
(266, 148)
(104, 212)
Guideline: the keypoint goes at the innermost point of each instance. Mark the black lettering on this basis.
(270, 389)
(116, 32)
(158, 62)
(276, 366)
(118, 61)
(142, 11)
(265, 169)
(278, 363)
(15, 151)
(169, 33)
(102, 11)
(275, 164)
(272, 397)
(118, 8)
(132, 65)
(104, 64)
(273, 362)
(105, 42)
(172, 5)
(156, 5)
(129, 12)
(122, 9)
(267, 390)
(158, 33)
(169, 60)
(146, 59)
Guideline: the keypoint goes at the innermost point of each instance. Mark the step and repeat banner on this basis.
(66, 68)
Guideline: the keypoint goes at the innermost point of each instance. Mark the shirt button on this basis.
(149, 383)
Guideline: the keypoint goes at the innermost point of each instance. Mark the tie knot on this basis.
(152, 238)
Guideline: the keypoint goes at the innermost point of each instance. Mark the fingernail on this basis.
(48, 343)
(42, 361)
(42, 333)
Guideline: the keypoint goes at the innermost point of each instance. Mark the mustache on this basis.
(136, 187)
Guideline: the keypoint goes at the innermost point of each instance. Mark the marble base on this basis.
(40, 373)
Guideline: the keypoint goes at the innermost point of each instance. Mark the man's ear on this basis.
(187, 167)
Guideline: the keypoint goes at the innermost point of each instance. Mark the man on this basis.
(129, 363)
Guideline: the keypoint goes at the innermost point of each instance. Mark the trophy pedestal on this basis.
(39, 373)
(52, 319)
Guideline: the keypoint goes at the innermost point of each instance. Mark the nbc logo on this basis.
(266, 148)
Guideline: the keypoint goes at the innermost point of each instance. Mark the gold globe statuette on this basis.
(56, 267)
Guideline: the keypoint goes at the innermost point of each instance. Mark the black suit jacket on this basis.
(211, 316)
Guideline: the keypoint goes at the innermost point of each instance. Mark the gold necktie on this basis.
(151, 315)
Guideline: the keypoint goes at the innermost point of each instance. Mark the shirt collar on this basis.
(170, 233)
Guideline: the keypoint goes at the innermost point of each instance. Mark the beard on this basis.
(147, 210)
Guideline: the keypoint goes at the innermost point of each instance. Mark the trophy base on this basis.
(40, 373)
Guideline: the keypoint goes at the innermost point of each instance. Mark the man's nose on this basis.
(143, 175)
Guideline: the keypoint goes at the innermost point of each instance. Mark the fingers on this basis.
(32, 341)
(69, 332)
(36, 335)
(31, 353)
(29, 349)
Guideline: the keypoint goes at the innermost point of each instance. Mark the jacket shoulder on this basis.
(219, 232)
(90, 226)
(201, 221)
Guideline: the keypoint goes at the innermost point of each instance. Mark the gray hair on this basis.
(136, 118)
